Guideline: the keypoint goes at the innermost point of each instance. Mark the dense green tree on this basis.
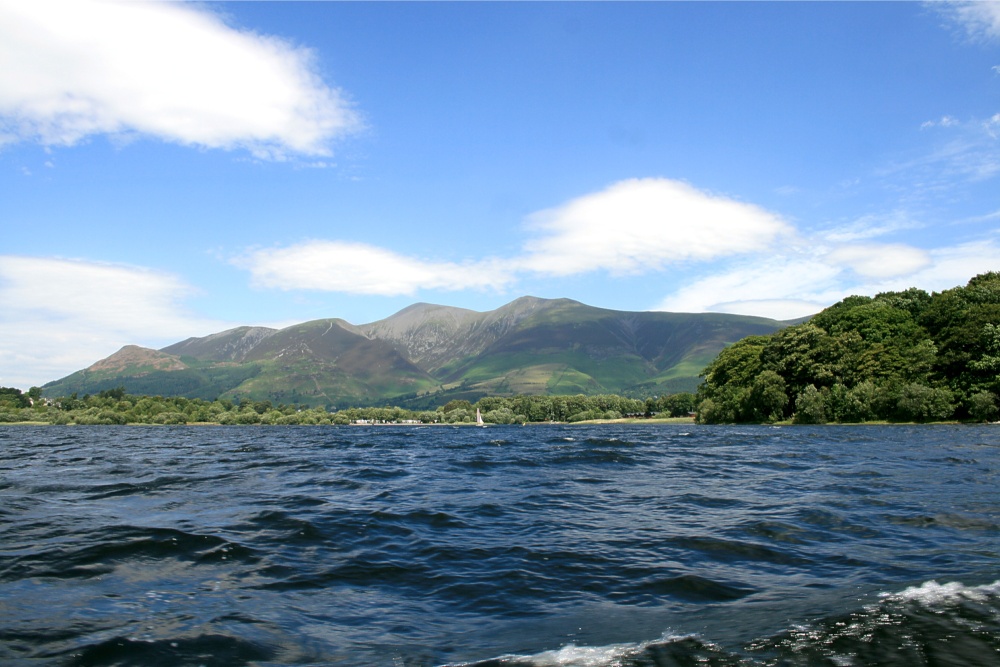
(988, 360)
(737, 364)
(957, 320)
(918, 402)
(118, 393)
(676, 405)
(501, 416)
(904, 355)
(802, 355)
(810, 406)
(724, 407)
(983, 406)
(767, 399)
(457, 404)
(12, 399)
(861, 404)
(913, 300)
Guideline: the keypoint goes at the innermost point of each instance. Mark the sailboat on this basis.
(479, 419)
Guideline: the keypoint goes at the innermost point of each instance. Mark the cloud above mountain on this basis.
(359, 268)
(731, 256)
(633, 227)
(641, 225)
(65, 313)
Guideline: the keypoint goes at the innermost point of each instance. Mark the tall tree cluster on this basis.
(903, 356)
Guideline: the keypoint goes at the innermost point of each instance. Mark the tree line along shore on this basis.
(908, 356)
(117, 407)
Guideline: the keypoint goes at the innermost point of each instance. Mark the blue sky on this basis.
(171, 170)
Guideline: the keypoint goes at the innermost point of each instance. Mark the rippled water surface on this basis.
(537, 545)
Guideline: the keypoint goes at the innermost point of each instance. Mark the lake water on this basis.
(538, 545)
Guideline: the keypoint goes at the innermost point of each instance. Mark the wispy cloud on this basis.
(992, 126)
(878, 261)
(944, 121)
(988, 217)
(779, 286)
(792, 285)
(357, 268)
(967, 154)
(77, 68)
(868, 226)
(61, 314)
(980, 19)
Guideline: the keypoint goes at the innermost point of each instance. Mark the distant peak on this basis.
(134, 355)
(529, 303)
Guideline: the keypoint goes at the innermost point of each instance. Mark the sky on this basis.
(170, 170)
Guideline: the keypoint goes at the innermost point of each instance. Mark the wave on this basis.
(362, 547)
(922, 626)
(208, 650)
(116, 544)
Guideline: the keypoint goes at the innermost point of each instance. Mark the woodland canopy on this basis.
(898, 356)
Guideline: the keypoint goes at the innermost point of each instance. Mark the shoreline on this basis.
(590, 422)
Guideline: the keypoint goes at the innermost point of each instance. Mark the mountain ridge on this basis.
(428, 353)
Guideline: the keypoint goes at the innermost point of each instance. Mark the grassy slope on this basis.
(322, 362)
(573, 348)
(199, 380)
(529, 346)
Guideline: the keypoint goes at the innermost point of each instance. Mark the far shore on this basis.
(590, 422)
(630, 420)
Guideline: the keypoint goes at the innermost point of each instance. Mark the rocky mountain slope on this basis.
(427, 354)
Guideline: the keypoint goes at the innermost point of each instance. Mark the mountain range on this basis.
(427, 354)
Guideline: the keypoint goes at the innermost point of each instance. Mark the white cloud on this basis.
(803, 283)
(880, 261)
(952, 266)
(357, 268)
(945, 121)
(988, 217)
(971, 155)
(632, 227)
(75, 68)
(642, 225)
(61, 315)
(783, 287)
(869, 227)
(992, 125)
(979, 18)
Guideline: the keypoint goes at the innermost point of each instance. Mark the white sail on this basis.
(479, 418)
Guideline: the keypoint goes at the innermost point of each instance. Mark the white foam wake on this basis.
(583, 656)
(571, 655)
(931, 593)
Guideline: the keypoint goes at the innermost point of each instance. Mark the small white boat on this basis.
(479, 419)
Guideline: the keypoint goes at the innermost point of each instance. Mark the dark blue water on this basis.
(537, 545)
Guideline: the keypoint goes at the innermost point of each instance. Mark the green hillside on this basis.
(426, 355)
(322, 362)
(569, 345)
